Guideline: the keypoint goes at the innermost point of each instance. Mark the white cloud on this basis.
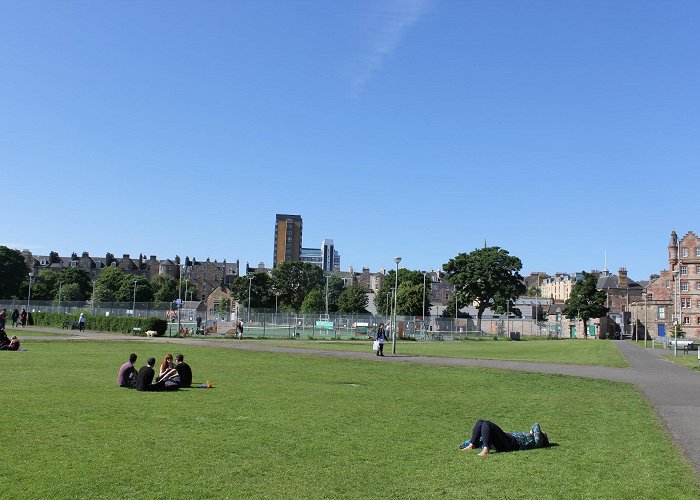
(388, 22)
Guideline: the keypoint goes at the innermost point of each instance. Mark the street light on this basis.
(327, 278)
(424, 275)
(676, 311)
(60, 285)
(29, 294)
(133, 305)
(646, 312)
(250, 284)
(92, 297)
(396, 295)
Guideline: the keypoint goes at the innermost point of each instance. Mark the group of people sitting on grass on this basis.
(8, 344)
(170, 376)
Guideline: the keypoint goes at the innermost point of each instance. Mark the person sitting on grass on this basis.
(12, 346)
(167, 372)
(127, 373)
(4, 339)
(184, 371)
(492, 438)
(144, 380)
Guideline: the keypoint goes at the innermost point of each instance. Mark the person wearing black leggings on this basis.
(493, 437)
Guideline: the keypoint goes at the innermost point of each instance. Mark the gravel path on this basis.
(674, 391)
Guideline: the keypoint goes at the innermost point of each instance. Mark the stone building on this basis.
(682, 281)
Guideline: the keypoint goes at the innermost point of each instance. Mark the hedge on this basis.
(101, 323)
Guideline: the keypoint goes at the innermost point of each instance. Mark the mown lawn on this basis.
(279, 425)
(573, 352)
(689, 360)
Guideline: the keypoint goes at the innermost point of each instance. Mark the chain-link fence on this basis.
(266, 324)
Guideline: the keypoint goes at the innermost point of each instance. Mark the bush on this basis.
(115, 324)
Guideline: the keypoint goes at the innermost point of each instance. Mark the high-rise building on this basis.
(288, 230)
(326, 257)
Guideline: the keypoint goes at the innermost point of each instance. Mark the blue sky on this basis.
(558, 130)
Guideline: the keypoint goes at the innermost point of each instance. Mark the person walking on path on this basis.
(15, 317)
(81, 322)
(381, 337)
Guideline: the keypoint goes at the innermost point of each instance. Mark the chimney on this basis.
(622, 280)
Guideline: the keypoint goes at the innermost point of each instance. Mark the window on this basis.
(684, 286)
(686, 303)
(684, 252)
(73, 263)
(662, 312)
(698, 320)
(668, 283)
(686, 320)
(684, 270)
(697, 269)
(697, 251)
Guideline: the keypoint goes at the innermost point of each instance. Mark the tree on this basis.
(164, 288)
(410, 295)
(261, 291)
(114, 285)
(534, 291)
(489, 277)
(72, 293)
(13, 272)
(586, 301)
(107, 284)
(45, 285)
(294, 281)
(353, 299)
(78, 277)
(313, 302)
(336, 286)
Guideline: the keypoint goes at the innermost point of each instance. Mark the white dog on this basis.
(151, 333)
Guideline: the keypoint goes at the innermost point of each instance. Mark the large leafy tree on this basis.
(410, 295)
(353, 299)
(294, 281)
(76, 284)
(489, 277)
(114, 285)
(314, 302)
(261, 291)
(164, 288)
(335, 289)
(13, 272)
(586, 301)
(45, 285)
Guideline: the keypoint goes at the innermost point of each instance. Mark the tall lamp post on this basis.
(60, 285)
(646, 312)
(424, 275)
(92, 297)
(133, 304)
(676, 311)
(396, 295)
(250, 284)
(29, 295)
(327, 278)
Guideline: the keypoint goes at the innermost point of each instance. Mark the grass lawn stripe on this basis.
(286, 426)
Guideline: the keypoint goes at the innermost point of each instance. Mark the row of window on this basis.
(685, 252)
(685, 285)
(684, 270)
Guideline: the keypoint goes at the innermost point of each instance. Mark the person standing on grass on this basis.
(15, 317)
(127, 373)
(23, 317)
(81, 322)
(493, 438)
(381, 337)
(3, 318)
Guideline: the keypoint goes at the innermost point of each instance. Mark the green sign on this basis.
(325, 325)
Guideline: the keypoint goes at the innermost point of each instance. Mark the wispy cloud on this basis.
(387, 23)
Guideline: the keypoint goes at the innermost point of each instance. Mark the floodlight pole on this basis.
(646, 312)
(396, 295)
(133, 305)
(424, 275)
(250, 284)
(29, 295)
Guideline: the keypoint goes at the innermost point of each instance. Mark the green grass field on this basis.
(278, 425)
(689, 360)
(574, 352)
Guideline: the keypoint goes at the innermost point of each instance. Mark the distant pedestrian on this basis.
(15, 317)
(239, 329)
(3, 318)
(199, 323)
(381, 337)
(81, 322)
(23, 317)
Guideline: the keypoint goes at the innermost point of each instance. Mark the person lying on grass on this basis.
(492, 438)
